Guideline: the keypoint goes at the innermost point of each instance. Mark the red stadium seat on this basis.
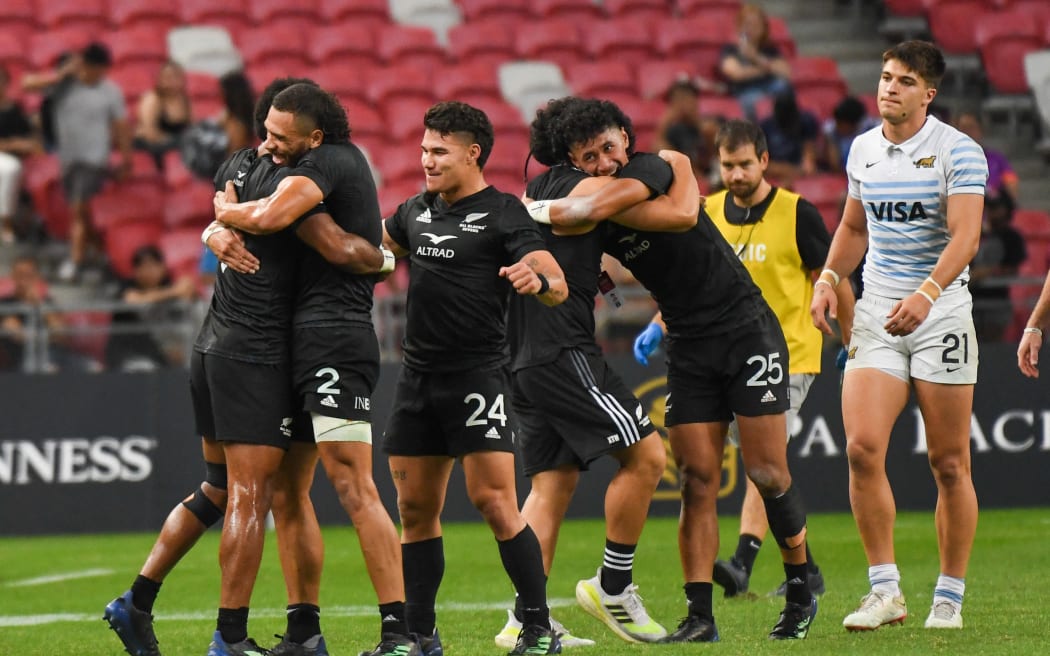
(726, 107)
(88, 332)
(145, 43)
(580, 11)
(261, 46)
(656, 76)
(1031, 223)
(822, 188)
(506, 120)
(469, 82)
(644, 114)
(556, 41)
(371, 13)
(643, 10)
(401, 166)
(88, 16)
(190, 206)
(14, 56)
(125, 237)
(343, 82)
(176, 175)
(391, 196)
(598, 78)
(698, 39)
(489, 40)
(201, 86)
(137, 202)
(404, 118)
(410, 46)
(953, 24)
(811, 72)
(627, 40)
(506, 10)
(41, 179)
(126, 14)
(821, 101)
(231, 14)
(266, 12)
(722, 11)
(398, 82)
(134, 79)
(348, 46)
(904, 7)
(18, 15)
(143, 167)
(182, 251)
(365, 120)
(780, 34)
(508, 156)
(260, 75)
(1004, 39)
(45, 47)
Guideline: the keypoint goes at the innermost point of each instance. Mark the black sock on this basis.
(797, 584)
(423, 563)
(304, 622)
(144, 593)
(233, 624)
(747, 547)
(523, 561)
(617, 567)
(698, 597)
(393, 618)
(813, 568)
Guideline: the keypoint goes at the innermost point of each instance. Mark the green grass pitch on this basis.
(53, 590)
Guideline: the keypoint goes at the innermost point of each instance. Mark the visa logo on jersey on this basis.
(899, 211)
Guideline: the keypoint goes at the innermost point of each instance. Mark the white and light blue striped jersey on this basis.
(904, 189)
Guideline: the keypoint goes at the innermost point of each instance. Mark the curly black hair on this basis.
(317, 110)
(453, 116)
(262, 106)
(570, 121)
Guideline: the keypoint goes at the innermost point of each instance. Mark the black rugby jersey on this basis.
(250, 314)
(695, 277)
(328, 295)
(539, 333)
(457, 301)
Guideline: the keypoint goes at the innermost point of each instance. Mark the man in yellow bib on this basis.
(782, 242)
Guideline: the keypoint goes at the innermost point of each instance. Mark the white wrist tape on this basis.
(389, 261)
(211, 230)
(540, 211)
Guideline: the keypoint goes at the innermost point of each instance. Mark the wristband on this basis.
(925, 295)
(1034, 331)
(930, 290)
(544, 284)
(389, 261)
(211, 230)
(823, 281)
(831, 274)
(929, 279)
(540, 211)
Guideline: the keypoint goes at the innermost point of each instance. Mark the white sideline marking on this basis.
(58, 578)
(268, 613)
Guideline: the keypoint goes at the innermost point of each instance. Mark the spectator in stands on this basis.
(684, 129)
(1000, 254)
(848, 119)
(237, 116)
(791, 133)
(20, 311)
(148, 337)
(17, 140)
(1001, 175)
(164, 113)
(89, 118)
(753, 65)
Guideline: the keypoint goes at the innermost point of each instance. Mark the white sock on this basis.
(885, 579)
(949, 589)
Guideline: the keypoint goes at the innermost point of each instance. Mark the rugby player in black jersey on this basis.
(335, 354)
(245, 334)
(726, 356)
(572, 408)
(470, 246)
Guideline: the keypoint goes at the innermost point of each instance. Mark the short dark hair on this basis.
(737, 133)
(452, 116)
(147, 252)
(849, 110)
(97, 53)
(920, 56)
(262, 106)
(569, 121)
(319, 109)
(682, 83)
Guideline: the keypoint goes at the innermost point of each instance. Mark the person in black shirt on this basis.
(572, 408)
(335, 353)
(470, 245)
(726, 356)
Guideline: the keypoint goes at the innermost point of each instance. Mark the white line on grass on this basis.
(58, 578)
(268, 613)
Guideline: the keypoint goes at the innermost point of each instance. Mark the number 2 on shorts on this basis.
(495, 413)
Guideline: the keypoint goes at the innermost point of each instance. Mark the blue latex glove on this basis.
(840, 360)
(646, 342)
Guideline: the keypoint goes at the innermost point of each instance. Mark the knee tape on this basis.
(333, 429)
(786, 515)
(215, 474)
(203, 508)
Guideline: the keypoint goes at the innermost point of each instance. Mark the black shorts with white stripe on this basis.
(573, 411)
